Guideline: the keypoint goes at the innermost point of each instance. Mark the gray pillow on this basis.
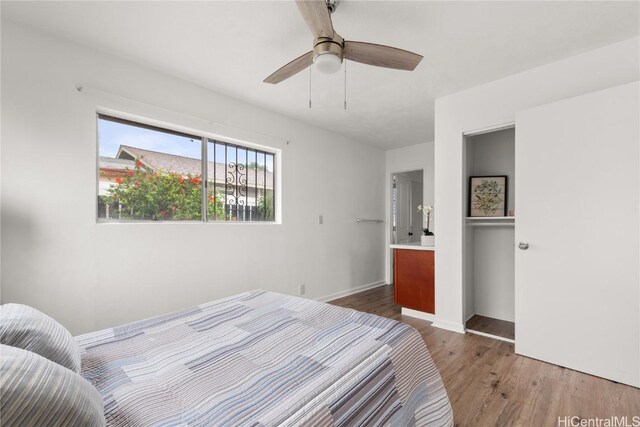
(37, 392)
(25, 327)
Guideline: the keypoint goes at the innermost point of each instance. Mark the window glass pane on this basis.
(147, 174)
(266, 204)
(240, 186)
(216, 182)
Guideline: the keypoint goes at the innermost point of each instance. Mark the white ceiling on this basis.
(231, 46)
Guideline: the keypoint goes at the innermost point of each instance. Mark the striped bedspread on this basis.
(265, 359)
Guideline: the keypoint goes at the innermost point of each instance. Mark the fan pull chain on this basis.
(310, 87)
(345, 84)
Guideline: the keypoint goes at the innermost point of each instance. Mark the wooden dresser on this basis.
(414, 279)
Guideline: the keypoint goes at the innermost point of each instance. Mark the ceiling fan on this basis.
(329, 48)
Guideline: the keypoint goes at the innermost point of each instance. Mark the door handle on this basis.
(410, 234)
(523, 245)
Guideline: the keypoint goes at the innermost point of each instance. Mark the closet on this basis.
(489, 236)
(563, 264)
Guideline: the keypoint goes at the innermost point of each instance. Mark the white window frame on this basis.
(205, 139)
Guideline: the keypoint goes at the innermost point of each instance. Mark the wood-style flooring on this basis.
(491, 326)
(489, 385)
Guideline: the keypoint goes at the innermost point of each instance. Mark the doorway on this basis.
(490, 235)
(406, 196)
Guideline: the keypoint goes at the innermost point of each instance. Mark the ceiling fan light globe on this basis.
(327, 63)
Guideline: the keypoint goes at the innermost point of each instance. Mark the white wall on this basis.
(493, 272)
(89, 276)
(494, 154)
(413, 157)
(494, 104)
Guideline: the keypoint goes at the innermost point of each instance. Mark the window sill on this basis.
(233, 223)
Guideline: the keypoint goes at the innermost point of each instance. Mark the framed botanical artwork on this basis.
(488, 195)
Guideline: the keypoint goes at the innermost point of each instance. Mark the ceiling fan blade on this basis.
(293, 67)
(381, 56)
(317, 17)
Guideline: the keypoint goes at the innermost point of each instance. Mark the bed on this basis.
(263, 358)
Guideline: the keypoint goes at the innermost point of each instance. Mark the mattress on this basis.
(265, 359)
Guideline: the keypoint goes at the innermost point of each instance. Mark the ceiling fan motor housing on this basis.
(327, 54)
(326, 45)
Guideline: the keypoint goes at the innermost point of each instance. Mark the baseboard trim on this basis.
(351, 291)
(495, 337)
(418, 314)
(469, 316)
(449, 326)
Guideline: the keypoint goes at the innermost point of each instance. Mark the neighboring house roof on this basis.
(109, 164)
(157, 161)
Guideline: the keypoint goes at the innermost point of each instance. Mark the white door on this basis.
(403, 212)
(578, 207)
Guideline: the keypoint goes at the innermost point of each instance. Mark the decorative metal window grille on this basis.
(161, 174)
(245, 178)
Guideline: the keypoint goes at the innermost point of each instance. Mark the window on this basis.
(146, 173)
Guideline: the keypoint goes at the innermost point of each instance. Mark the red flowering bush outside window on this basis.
(160, 196)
